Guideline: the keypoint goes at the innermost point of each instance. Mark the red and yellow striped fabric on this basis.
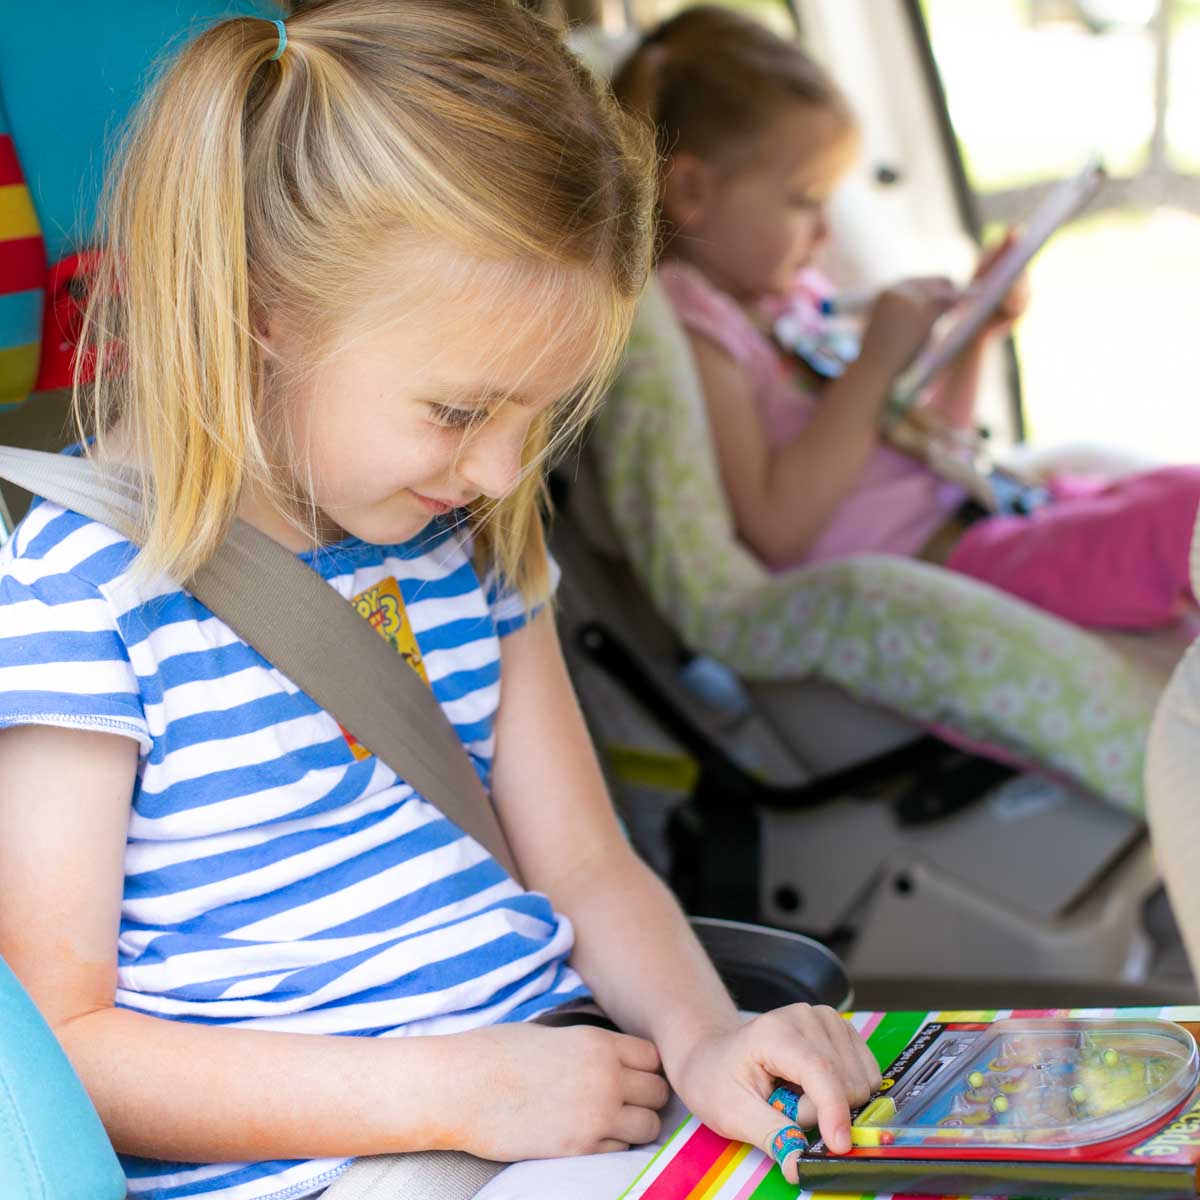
(22, 279)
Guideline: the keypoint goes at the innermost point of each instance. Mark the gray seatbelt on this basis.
(300, 625)
(420, 1175)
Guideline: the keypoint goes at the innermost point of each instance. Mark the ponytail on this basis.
(171, 320)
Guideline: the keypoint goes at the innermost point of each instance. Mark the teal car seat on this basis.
(52, 1144)
(69, 74)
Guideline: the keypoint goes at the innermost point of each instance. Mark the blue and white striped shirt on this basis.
(277, 875)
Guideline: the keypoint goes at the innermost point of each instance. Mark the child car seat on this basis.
(63, 99)
(53, 1143)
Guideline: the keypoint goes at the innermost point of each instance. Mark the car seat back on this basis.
(54, 1146)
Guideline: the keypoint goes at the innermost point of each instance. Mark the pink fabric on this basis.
(1107, 555)
(898, 504)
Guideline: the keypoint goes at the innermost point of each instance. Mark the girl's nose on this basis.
(491, 461)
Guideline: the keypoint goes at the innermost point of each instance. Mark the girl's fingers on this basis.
(785, 1147)
(637, 1053)
(610, 1146)
(1017, 300)
(853, 1069)
(989, 257)
(851, 1078)
(749, 1118)
(869, 1062)
(636, 1126)
(947, 294)
(646, 1090)
(804, 1112)
(857, 1062)
(851, 1061)
(940, 290)
(813, 1064)
(861, 1070)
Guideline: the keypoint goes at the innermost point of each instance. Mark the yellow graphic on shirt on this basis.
(382, 607)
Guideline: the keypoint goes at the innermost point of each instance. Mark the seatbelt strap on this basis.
(417, 1175)
(300, 625)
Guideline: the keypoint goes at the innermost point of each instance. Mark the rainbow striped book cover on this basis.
(698, 1164)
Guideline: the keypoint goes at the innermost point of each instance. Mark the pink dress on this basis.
(1105, 554)
(898, 504)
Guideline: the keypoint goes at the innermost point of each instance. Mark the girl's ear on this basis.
(272, 330)
(686, 190)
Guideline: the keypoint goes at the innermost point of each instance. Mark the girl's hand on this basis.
(1016, 301)
(538, 1092)
(725, 1079)
(901, 320)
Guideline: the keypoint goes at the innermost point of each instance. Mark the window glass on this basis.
(1108, 350)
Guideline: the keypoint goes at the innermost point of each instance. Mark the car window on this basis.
(1031, 87)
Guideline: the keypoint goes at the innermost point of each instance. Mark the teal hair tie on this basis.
(282, 40)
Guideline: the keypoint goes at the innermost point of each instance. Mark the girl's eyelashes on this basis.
(449, 417)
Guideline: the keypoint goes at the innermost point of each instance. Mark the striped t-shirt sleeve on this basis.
(508, 606)
(62, 658)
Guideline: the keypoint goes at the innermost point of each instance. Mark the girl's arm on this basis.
(175, 1090)
(954, 395)
(633, 945)
(782, 498)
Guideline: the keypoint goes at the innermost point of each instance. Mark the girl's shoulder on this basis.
(66, 593)
(59, 558)
(704, 309)
(63, 575)
(60, 553)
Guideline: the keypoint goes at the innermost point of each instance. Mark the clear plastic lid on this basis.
(1044, 1084)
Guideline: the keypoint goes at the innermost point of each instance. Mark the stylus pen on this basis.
(857, 301)
(846, 304)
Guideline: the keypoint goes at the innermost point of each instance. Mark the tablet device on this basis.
(985, 295)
